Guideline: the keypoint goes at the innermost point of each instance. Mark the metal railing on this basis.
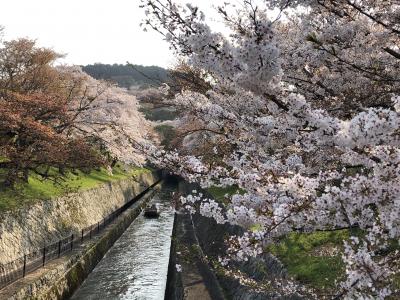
(38, 258)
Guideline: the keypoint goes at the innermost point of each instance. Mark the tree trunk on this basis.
(11, 178)
(114, 162)
(26, 175)
(61, 170)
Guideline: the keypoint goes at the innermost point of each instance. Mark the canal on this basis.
(136, 266)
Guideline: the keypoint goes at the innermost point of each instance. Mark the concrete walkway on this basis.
(197, 279)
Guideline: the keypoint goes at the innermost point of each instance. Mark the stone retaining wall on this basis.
(60, 278)
(44, 222)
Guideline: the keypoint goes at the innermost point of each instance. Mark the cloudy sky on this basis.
(90, 31)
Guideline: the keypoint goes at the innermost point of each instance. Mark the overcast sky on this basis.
(89, 31)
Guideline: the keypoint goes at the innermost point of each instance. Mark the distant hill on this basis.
(127, 76)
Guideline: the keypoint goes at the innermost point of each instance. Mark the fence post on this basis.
(24, 269)
(104, 222)
(44, 255)
(98, 227)
(59, 248)
(82, 236)
(72, 241)
(90, 234)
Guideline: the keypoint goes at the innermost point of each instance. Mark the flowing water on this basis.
(136, 266)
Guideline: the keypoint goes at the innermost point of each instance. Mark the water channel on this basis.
(136, 266)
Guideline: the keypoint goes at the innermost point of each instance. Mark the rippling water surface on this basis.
(136, 266)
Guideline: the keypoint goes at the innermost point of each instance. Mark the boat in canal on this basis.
(152, 211)
(136, 266)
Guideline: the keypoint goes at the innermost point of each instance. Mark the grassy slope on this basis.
(37, 189)
(219, 193)
(313, 258)
(305, 255)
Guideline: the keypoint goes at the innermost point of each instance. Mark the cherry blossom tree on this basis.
(109, 115)
(61, 117)
(35, 116)
(302, 115)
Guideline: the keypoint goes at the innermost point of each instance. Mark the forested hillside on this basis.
(128, 75)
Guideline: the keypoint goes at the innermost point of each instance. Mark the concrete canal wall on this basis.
(198, 242)
(61, 277)
(31, 227)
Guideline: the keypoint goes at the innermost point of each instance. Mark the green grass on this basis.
(303, 256)
(220, 193)
(313, 259)
(299, 251)
(39, 189)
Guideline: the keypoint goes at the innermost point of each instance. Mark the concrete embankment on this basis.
(211, 237)
(196, 279)
(59, 278)
(199, 242)
(44, 222)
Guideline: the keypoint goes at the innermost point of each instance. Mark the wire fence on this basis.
(38, 258)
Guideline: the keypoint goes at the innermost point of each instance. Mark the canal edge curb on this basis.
(174, 287)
